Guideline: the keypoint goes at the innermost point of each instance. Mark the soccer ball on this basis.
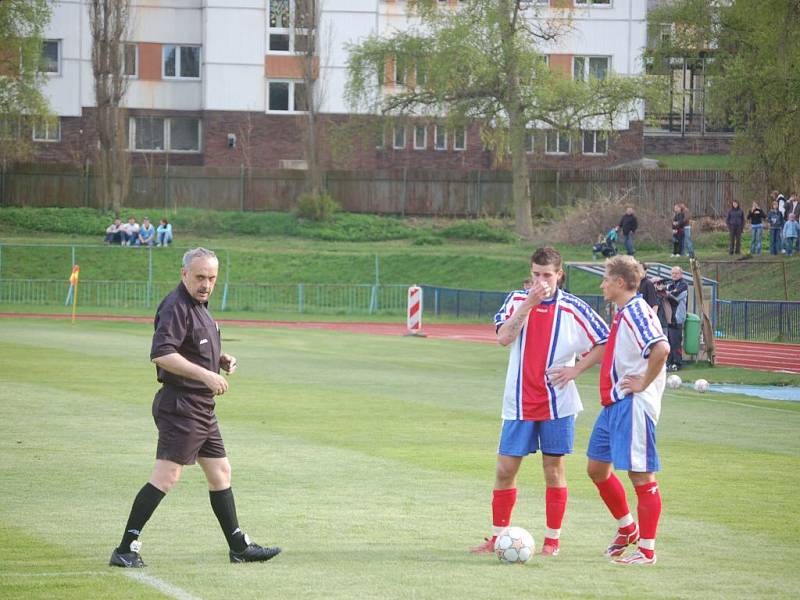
(701, 385)
(673, 382)
(514, 545)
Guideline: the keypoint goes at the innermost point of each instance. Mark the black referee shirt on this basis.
(184, 325)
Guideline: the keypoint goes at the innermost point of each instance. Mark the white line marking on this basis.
(794, 412)
(159, 584)
(69, 574)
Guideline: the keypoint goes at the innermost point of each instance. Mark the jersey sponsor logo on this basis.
(203, 341)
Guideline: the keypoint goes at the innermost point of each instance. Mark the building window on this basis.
(440, 138)
(399, 70)
(529, 142)
(130, 60)
(557, 142)
(595, 142)
(420, 137)
(586, 67)
(51, 57)
(161, 134)
(287, 96)
(9, 128)
(181, 62)
(460, 138)
(47, 130)
(399, 137)
(289, 23)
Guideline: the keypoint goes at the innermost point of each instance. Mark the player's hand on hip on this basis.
(216, 383)
(632, 384)
(561, 376)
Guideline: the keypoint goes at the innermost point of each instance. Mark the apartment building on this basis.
(220, 83)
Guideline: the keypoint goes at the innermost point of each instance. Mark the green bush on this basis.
(319, 207)
(478, 230)
(349, 227)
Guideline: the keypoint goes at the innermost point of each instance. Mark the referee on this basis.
(186, 352)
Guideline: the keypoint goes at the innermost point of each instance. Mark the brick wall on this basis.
(664, 144)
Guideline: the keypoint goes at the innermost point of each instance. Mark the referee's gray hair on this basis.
(197, 253)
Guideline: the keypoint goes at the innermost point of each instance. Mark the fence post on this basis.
(241, 188)
(3, 183)
(405, 193)
(149, 276)
(165, 181)
(746, 303)
(86, 177)
(300, 297)
(558, 188)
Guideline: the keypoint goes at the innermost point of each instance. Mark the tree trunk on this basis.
(520, 177)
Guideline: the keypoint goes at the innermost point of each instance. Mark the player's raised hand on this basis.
(539, 291)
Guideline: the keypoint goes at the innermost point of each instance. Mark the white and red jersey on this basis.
(556, 332)
(633, 332)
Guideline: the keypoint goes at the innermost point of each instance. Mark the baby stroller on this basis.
(607, 246)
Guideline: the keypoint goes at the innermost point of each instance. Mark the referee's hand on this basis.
(216, 383)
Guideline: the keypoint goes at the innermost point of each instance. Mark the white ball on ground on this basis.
(514, 545)
(673, 382)
(701, 385)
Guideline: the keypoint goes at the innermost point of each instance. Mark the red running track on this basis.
(752, 355)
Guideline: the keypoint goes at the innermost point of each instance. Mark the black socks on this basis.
(225, 509)
(144, 505)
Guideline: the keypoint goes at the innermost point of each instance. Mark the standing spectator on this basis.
(115, 233)
(791, 233)
(756, 217)
(775, 219)
(164, 233)
(793, 207)
(735, 222)
(779, 198)
(678, 224)
(131, 231)
(648, 290)
(688, 246)
(677, 296)
(147, 233)
(628, 225)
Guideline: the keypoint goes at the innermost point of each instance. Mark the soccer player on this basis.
(547, 329)
(187, 354)
(632, 378)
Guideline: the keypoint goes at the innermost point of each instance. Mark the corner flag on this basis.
(73, 284)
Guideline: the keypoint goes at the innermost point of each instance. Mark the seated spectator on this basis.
(115, 233)
(791, 233)
(131, 231)
(147, 233)
(606, 245)
(164, 233)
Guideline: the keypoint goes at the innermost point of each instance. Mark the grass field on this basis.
(370, 459)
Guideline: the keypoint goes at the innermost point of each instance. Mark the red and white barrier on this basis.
(414, 315)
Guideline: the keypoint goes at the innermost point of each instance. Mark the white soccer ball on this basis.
(701, 385)
(673, 382)
(514, 545)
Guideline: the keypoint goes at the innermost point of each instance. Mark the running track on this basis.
(752, 355)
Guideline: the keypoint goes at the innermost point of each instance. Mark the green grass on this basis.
(370, 459)
(721, 162)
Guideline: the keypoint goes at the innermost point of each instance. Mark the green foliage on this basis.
(478, 230)
(317, 207)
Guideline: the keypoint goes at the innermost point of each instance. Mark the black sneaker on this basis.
(127, 560)
(254, 553)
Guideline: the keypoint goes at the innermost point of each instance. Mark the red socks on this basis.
(649, 511)
(502, 505)
(555, 506)
(613, 494)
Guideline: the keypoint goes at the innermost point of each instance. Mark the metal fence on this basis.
(380, 191)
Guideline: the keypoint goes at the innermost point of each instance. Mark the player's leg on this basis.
(556, 438)
(599, 469)
(217, 469)
(165, 475)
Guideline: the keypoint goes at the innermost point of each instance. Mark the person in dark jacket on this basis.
(756, 216)
(677, 296)
(628, 225)
(648, 290)
(735, 222)
(678, 224)
(775, 219)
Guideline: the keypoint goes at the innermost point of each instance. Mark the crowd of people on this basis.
(133, 234)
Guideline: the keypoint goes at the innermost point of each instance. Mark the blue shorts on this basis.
(520, 438)
(625, 435)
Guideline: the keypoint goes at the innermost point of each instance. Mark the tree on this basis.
(753, 76)
(108, 21)
(22, 24)
(484, 62)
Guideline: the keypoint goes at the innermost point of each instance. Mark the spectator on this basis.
(775, 220)
(115, 233)
(780, 199)
(164, 233)
(735, 222)
(756, 217)
(791, 233)
(677, 296)
(147, 233)
(688, 246)
(131, 231)
(793, 207)
(648, 290)
(628, 225)
(678, 223)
